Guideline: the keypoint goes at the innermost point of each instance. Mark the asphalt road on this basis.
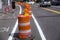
(57, 8)
(49, 22)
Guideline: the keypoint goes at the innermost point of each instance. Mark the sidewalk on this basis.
(9, 15)
(7, 23)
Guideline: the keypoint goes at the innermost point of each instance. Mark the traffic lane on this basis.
(57, 8)
(35, 32)
(38, 11)
(7, 22)
(50, 27)
(49, 22)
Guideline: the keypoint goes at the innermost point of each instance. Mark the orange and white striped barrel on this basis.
(27, 11)
(24, 26)
(27, 5)
(29, 8)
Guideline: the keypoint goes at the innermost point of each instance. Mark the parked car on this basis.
(56, 3)
(45, 4)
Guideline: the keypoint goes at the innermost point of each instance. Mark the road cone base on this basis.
(17, 37)
(24, 36)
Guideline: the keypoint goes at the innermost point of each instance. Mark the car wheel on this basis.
(49, 5)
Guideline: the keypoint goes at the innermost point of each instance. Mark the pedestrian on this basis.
(13, 5)
(5, 6)
(10, 5)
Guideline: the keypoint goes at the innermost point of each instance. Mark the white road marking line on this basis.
(15, 27)
(39, 28)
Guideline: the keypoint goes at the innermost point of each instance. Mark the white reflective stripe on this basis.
(25, 31)
(30, 11)
(23, 24)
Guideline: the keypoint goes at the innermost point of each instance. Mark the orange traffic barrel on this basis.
(27, 11)
(29, 8)
(24, 26)
(27, 5)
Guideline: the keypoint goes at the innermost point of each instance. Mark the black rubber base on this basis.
(16, 37)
